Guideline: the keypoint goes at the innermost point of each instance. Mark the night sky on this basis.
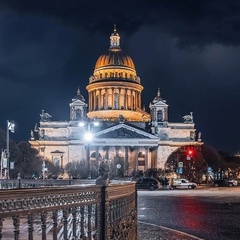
(189, 49)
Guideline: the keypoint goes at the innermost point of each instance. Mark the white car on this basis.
(182, 183)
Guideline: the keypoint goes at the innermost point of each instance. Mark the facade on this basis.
(123, 132)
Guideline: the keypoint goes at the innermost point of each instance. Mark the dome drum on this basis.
(113, 77)
(113, 115)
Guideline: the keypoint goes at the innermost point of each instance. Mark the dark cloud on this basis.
(198, 22)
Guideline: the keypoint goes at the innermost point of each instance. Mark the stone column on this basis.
(106, 93)
(140, 101)
(100, 99)
(94, 100)
(146, 158)
(112, 98)
(97, 153)
(126, 164)
(89, 101)
(126, 100)
(131, 98)
(136, 158)
(119, 98)
(107, 153)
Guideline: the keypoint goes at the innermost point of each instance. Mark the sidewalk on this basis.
(154, 232)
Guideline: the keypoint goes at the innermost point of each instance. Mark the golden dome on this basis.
(114, 88)
(114, 57)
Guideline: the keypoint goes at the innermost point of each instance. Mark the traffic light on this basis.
(189, 154)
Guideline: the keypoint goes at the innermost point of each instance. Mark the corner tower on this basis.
(114, 88)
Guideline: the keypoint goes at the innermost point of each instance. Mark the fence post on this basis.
(104, 212)
(136, 202)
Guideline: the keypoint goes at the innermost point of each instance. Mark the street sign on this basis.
(209, 170)
(180, 170)
(11, 165)
(180, 164)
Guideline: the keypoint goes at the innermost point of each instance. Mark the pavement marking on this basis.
(171, 230)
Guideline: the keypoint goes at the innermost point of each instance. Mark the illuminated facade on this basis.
(126, 132)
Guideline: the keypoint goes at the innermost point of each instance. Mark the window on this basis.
(104, 101)
(159, 115)
(97, 103)
(78, 114)
(116, 100)
(56, 161)
(141, 163)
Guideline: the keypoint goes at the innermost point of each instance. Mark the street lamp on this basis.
(5, 163)
(88, 137)
(10, 127)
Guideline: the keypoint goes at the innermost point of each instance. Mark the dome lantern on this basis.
(114, 63)
(114, 39)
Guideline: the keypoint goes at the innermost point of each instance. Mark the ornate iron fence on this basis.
(35, 183)
(69, 212)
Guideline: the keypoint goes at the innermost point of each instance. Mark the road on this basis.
(207, 213)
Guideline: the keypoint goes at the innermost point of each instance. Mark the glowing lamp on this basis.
(88, 136)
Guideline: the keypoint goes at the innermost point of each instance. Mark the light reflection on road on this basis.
(212, 213)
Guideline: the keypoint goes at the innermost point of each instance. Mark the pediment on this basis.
(124, 131)
(77, 102)
(160, 103)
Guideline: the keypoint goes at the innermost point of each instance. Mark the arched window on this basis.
(56, 161)
(141, 159)
(159, 116)
(78, 114)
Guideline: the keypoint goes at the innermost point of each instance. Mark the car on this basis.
(225, 182)
(148, 183)
(182, 183)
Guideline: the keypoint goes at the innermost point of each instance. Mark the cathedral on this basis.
(113, 126)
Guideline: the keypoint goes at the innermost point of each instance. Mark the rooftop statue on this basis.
(188, 118)
(45, 117)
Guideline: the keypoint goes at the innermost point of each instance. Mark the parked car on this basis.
(225, 182)
(148, 183)
(182, 183)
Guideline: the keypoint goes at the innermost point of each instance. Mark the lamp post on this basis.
(88, 138)
(10, 127)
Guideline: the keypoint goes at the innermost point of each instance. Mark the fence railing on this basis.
(35, 183)
(69, 212)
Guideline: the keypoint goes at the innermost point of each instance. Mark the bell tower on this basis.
(78, 107)
(158, 109)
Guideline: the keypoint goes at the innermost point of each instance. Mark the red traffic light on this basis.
(190, 152)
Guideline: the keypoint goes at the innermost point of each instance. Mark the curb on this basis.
(148, 231)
